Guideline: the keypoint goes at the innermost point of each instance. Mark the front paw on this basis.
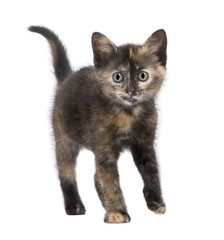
(116, 217)
(157, 207)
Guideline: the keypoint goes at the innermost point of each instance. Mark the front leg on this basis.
(110, 194)
(145, 160)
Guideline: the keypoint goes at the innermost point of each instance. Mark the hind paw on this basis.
(75, 210)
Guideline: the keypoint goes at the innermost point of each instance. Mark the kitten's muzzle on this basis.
(130, 98)
(131, 92)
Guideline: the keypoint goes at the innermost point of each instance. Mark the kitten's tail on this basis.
(61, 63)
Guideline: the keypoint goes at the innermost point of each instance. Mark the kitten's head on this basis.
(130, 74)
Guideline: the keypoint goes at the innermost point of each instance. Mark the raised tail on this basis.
(61, 63)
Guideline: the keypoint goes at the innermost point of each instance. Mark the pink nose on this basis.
(130, 93)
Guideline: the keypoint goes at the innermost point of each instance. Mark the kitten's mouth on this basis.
(130, 99)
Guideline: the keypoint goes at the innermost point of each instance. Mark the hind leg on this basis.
(66, 153)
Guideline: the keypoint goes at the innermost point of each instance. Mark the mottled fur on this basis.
(91, 110)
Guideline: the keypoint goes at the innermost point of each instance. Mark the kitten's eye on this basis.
(118, 77)
(143, 76)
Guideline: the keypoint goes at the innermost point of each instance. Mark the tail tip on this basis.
(36, 29)
(32, 28)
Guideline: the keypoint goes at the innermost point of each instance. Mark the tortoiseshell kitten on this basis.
(107, 108)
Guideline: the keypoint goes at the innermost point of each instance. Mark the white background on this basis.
(190, 134)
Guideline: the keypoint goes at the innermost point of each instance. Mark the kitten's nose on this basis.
(130, 92)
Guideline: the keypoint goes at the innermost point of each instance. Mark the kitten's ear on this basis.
(156, 44)
(103, 49)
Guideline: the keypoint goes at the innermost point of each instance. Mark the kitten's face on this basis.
(130, 74)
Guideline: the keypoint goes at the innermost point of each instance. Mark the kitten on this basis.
(107, 108)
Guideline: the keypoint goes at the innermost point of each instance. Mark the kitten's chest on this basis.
(120, 129)
(122, 124)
